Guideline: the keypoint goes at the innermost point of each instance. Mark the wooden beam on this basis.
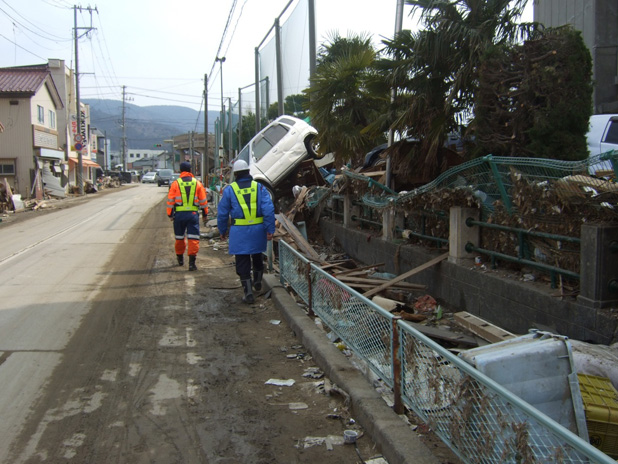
(482, 328)
(302, 243)
(378, 282)
(405, 275)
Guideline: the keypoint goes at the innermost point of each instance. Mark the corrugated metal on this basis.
(21, 81)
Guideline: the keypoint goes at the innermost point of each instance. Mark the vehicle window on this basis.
(275, 133)
(165, 172)
(289, 122)
(261, 147)
(612, 132)
(244, 155)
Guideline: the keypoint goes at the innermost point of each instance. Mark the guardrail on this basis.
(477, 418)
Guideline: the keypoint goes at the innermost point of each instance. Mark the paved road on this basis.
(110, 352)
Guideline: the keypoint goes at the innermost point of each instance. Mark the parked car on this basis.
(602, 137)
(164, 177)
(278, 149)
(149, 178)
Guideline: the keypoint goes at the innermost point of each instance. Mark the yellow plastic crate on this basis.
(601, 408)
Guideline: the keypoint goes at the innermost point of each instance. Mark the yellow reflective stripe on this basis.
(250, 215)
(187, 202)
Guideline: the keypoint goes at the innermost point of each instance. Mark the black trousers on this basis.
(244, 263)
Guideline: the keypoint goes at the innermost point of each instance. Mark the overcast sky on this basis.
(161, 49)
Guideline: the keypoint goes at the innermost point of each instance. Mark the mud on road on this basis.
(169, 366)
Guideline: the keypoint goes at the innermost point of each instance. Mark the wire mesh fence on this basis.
(477, 418)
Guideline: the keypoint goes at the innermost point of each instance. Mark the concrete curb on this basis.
(397, 442)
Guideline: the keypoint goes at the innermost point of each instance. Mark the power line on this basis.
(24, 49)
(53, 37)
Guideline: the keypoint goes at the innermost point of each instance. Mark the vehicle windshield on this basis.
(166, 172)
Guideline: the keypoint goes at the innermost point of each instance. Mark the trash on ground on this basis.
(308, 442)
(350, 437)
(280, 382)
(297, 406)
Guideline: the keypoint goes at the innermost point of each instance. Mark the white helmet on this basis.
(240, 165)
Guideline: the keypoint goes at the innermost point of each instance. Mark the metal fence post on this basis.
(309, 290)
(395, 355)
(506, 199)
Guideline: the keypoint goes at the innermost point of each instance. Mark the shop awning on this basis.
(85, 162)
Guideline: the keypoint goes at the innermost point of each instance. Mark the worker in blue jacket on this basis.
(252, 214)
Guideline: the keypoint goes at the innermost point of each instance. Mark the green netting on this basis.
(495, 180)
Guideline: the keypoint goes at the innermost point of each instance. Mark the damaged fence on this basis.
(481, 421)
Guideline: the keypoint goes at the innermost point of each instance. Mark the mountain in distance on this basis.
(146, 126)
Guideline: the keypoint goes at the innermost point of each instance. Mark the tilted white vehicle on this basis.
(278, 149)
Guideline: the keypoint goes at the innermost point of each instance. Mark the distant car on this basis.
(149, 178)
(602, 137)
(278, 149)
(164, 177)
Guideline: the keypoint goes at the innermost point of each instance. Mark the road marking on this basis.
(40, 242)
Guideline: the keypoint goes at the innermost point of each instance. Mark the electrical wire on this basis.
(19, 46)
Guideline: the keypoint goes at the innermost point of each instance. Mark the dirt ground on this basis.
(171, 367)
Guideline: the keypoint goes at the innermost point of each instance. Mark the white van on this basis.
(602, 137)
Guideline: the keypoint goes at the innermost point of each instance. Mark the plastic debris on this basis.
(280, 382)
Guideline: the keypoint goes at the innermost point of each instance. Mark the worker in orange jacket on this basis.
(186, 197)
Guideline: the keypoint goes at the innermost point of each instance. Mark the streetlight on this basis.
(221, 61)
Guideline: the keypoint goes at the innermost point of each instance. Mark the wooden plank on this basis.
(359, 269)
(364, 280)
(358, 285)
(482, 328)
(405, 275)
(302, 243)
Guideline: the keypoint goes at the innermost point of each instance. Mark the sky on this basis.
(161, 50)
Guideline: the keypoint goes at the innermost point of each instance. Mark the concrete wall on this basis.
(512, 304)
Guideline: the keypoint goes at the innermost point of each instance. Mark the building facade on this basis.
(598, 22)
(41, 143)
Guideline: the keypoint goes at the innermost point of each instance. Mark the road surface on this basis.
(111, 353)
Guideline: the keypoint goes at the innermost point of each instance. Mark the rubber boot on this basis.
(257, 280)
(180, 259)
(246, 286)
(192, 266)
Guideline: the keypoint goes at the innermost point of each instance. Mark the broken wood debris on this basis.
(405, 275)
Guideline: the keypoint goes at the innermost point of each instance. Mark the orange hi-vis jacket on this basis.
(175, 195)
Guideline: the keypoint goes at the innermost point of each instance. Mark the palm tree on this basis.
(435, 71)
(343, 98)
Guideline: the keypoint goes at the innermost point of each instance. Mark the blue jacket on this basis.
(250, 239)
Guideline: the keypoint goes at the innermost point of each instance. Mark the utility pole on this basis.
(80, 161)
(191, 151)
(391, 134)
(239, 126)
(205, 156)
(124, 130)
(229, 132)
(279, 67)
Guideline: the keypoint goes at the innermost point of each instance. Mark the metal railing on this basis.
(477, 418)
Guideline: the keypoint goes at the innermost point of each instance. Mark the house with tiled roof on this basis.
(36, 147)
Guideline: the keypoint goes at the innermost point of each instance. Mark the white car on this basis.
(278, 149)
(602, 137)
(149, 178)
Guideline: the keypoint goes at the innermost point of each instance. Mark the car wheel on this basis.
(311, 146)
